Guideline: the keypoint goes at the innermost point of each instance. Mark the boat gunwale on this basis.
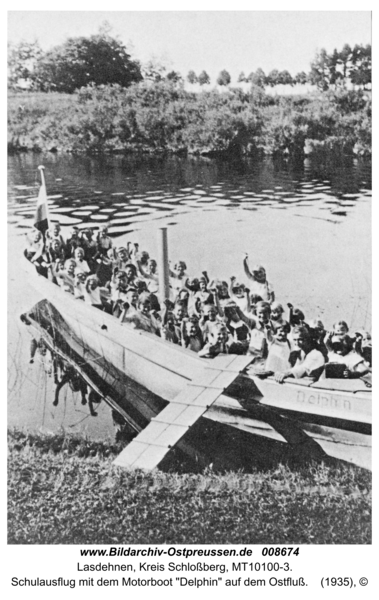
(188, 354)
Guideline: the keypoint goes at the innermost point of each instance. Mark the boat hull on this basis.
(138, 374)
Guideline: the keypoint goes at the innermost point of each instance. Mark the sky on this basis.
(237, 40)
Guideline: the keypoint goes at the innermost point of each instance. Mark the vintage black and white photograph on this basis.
(189, 277)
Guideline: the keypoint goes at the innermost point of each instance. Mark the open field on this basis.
(64, 490)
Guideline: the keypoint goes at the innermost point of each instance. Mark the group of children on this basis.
(207, 317)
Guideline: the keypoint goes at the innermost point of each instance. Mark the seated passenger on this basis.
(261, 334)
(176, 313)
(209, 321)
(131, 275)
(54, 268)
(142, 318)
(343, 353)
(79, 284)
(67, 276)
(254, 299)
(117, 289)
(306, 361)
(121, 258)
(95, 294)
(240, 294)
(340, 328)
(149, 274)
(218, 344)
(170, 332)
(238, 329)
(55, 251)
(35, 252)
(73, 242)
(178, 276)
(279, 350)
(277, 312)
(54, 233)
(203, 295)
(90, 248)
(296, 317)
(220, 293)
(191, 335)
(191, 289)
(129, 307)
(258, 281)
(81, 264)
(182, 297)
(317, 333)
(103, 241)
(363, 345)
(137, 255)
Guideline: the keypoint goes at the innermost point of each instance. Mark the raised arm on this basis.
(290, 313)
(206, 276)
(248, 301)
(216, 299)
(246, 267)
(328, 341)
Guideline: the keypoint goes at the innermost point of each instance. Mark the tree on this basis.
(320, 70)
(174, 76)
(301, 78)
(192, 77)
(242, 77)
(155, 70)
(223, 78)
(204, 78)
(272, 78)
(285, 78)
(99, 59)
(345, 58)
(360, 73)
(258, 78)
(22, 59)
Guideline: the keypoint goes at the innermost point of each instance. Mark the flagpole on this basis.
(42, 220)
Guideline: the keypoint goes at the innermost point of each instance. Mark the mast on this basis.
(163, 268)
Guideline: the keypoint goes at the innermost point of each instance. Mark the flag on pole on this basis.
(41, 221)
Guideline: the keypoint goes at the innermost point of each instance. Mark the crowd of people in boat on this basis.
(209, 317)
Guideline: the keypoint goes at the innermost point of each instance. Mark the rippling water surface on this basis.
(310, 226)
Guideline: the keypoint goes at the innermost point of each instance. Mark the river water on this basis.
(309, 225)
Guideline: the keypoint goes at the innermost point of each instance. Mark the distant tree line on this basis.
(328, 71)
(102, 59)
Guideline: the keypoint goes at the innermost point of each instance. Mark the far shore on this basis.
(165, 118)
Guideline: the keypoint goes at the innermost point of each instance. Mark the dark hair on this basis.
(132, 267)
(263, 304)
(300, 329)
(143, 298)
(298, 314)
(281, 325)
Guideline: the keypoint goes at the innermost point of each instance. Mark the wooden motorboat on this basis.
(140, 375)
(211, 410)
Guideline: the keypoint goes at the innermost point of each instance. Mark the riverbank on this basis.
(165, 118)
(64, 490)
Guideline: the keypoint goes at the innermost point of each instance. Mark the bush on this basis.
(163, 117)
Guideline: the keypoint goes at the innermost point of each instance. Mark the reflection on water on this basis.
(309, 225)
(125, 192)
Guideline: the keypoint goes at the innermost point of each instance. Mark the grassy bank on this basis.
(163, 117)
(64, 490)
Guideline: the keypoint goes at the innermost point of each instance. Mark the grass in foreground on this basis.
(64, 490)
